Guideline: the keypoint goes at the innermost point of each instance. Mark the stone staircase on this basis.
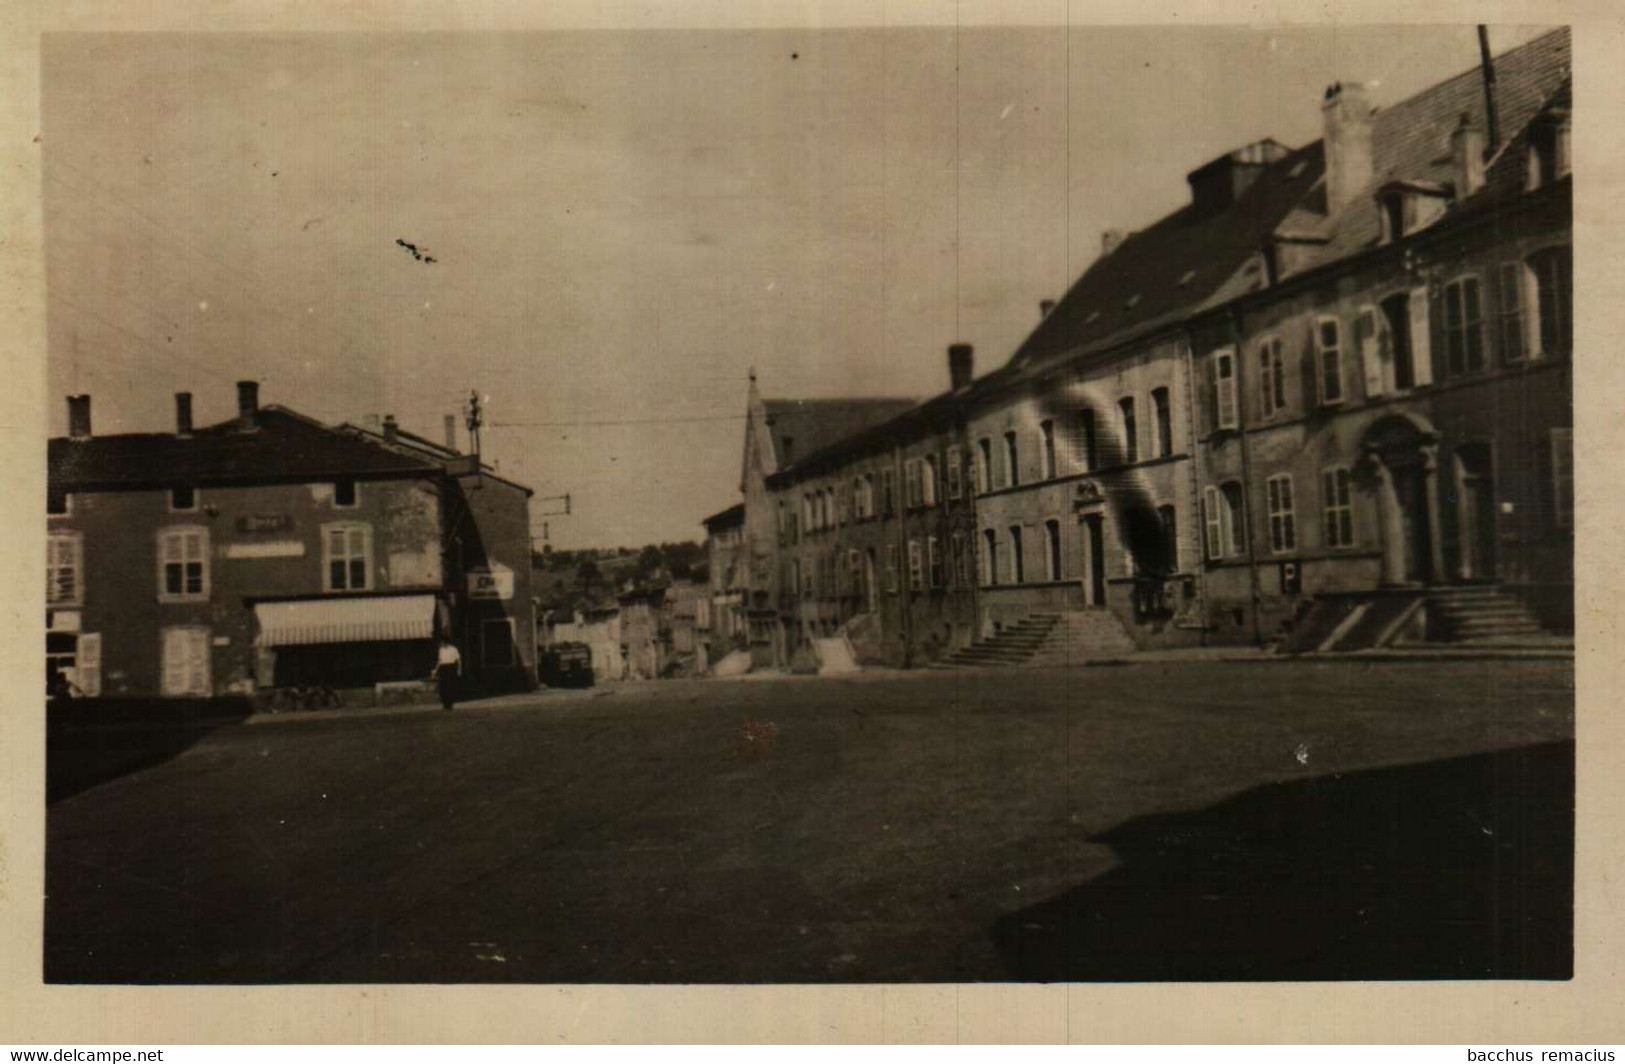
(1046, 639)
(1479, 614)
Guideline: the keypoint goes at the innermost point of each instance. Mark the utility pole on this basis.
(474, 419)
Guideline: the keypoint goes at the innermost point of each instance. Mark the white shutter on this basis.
(1212, 524)
(1365, 332)
(197, 662)
(1224, 388)
(89, 667)
(172, 652)
(1421, 338)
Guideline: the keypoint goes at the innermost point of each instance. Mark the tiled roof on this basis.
(284, 446)
(1145, 279)
(732, 517)
(1410, 141)
(800, 427)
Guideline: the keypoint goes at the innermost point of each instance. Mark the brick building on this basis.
(273, 550)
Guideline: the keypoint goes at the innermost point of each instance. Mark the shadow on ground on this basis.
(1451, 869)
(93, 741)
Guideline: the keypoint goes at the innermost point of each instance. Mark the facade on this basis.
(600, 630)
(643, 640)
(272, 550)
(720, 616)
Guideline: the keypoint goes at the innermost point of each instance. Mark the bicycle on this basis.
(303, 698)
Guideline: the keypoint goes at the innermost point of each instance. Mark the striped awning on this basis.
(352, 620)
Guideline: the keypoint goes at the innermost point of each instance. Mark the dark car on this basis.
(567, 665)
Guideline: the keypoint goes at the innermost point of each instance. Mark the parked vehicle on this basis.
(567, 665)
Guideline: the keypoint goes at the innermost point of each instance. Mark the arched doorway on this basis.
(1399, 465)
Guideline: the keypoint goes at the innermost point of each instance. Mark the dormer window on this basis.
(182, 499)
(1548, 156)
(1410, 206)
(1393, 216)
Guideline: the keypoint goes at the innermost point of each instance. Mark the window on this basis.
(868, 495)
(990, 558)
(64, 569)
(916, 566)
(58, 503)
(1224, 389)
(955, 473)
(1127, 429)
(911, 483)
(891, 568)
(182, 499)
(1393, 217)
(1170, 538)
(1514, 346)
(1368, 337)
(1224, 520)
(347, 552)
(78, 656)
(1271, 377)
(984, 466)
(1404, 330)
(1012, 461)
(783, 527)
(1563, 478)
(1553, 270)
(1163, 442)
(1052, 553)
(1329, 360)
(1046, 432)
(1548, 157)
(854, 573)
(808, 578)
(1283, 533)
(933, 560)
(1338, 522)
(184, 654)
(928, 482)
(1086, 439)
(961, 560)
(183, 564)
(345, 494)
(1017, 575)
(497, 648)
(1463, 327)
(855, 493)
(888, 486)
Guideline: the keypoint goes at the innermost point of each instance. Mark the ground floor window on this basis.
(76, 658)
(1339, 507)
(184, 656)
(1283, 529)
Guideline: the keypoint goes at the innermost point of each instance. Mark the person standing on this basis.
(448, 667)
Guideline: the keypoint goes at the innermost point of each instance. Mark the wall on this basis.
(489, 521)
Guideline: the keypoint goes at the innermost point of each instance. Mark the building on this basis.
(272, 550)
(720, 616)
(599, 628)
(644, 645)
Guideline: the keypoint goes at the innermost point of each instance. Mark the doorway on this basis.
(1094, 560)
(1475, 511)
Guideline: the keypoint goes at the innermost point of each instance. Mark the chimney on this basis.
(183, 413)
(79, 417)
(1045, 306)
(1467, 154)
(961, 365)
(248, 403)
(390, 428)
(1109, 241)
(451, 432)
(1346, 126)
(1491, 111)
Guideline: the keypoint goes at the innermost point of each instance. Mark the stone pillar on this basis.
(1390, 522)
(1430, 481)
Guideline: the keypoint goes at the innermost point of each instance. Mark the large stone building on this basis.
(1327, 403)
(272, 550)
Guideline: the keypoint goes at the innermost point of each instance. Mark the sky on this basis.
(623, 223)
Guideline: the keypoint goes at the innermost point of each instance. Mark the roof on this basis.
(732, 517)
(1410, 141)
(283, 446)
(411, 443)
(1178, 265)
(800, 427)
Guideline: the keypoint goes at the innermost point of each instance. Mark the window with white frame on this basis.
(984, 466)
(1162, 439)
(1087, 442)
(1283, 529)
(911, 483)
(956, 471)
(1168, 521)
(1329, 360)
(183, 564)
(1463, 326)
(1046, 443)
(916, 566)
(928, 481)
(1510, 312)
(1212, 524)
(1271, 377)
(1553, 270)
(1563, 477)
(1337, 527)
(1012, 460)
(1376, 371)
(961, 560)
(888, 488)
(347, 557)
(933, 560)
(64, 569)
(1128, 430)
(1224, 520)
(1224, 389)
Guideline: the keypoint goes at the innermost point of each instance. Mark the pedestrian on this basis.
(448, 667)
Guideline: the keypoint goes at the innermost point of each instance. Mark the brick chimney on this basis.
(1045, 307)
(1110, 240)
(248, 404)
(391, 428)
(183, 413)
(961, 365)
(1346, 127)
(79, 417)
(1467, 155)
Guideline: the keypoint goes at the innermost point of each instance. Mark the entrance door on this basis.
(1476, 511)
(1094, 560)
(1410, 490)
(185, 662)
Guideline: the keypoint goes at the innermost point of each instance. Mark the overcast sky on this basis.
(623, 223)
